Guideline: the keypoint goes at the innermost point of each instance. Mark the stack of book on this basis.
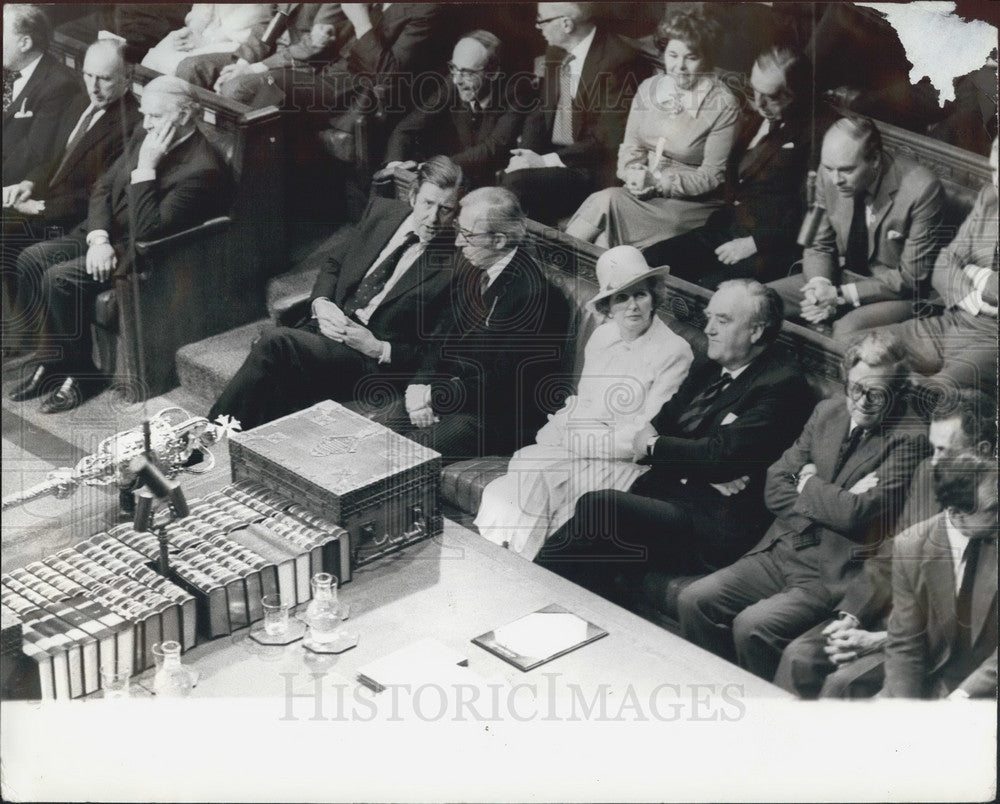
(102, 602)
(85, 608)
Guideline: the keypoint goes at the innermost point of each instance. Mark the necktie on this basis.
(375, 14)
(762, 134)
(857, 240)
(375, 280)
(484, 283)
(9, 77)
(963, 605)
(847, 448)
(692, 418)
(74, 141)
(562, 126)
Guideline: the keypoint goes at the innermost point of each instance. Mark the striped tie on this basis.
(562, 126)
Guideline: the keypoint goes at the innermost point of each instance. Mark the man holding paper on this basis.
(378, 297)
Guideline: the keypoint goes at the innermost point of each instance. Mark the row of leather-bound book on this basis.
(102, 603)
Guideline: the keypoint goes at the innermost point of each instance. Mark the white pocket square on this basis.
(729, 419)
(892, 234)
(788, 145)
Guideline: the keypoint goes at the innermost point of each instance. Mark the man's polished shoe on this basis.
(32, 385)
(66, 397)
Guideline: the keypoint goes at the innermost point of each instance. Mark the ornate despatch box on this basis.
(380, 487)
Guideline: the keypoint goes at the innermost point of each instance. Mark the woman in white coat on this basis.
(633, 363)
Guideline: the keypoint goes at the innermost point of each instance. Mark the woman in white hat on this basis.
(633, 363)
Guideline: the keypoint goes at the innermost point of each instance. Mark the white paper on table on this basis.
(542, 634)
(426, 660)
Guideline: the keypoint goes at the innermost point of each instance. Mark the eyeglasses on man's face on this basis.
(871, 394)
(547, 20)
(468, 234)
(464, 72)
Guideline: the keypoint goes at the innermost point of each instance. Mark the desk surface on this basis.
(450, 588)
(455, 587)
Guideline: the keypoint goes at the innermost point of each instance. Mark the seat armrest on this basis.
(293, 311)
(147, 247)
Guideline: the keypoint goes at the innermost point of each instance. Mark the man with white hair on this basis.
(702, 502)
(168, 178)
(477, 392)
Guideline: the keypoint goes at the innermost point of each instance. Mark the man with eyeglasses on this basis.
(480, 389)
(836, 491)
(476, 119)
(570, 140)
(844, 656)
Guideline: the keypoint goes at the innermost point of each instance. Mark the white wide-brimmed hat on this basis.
(620, 268)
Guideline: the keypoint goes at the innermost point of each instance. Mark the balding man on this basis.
(92, 135)
(476, 119)
(37, 89)
(754, 234)
(570, 140)
(872, 256)
(168, 178)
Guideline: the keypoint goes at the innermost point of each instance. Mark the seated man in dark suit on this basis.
(844, 657)
(570, 141)
(91, 135)
(53, 197)
(37, 90)
(505, 331)
(476, 120)
(943, 627)
(870, 260)
(959, 346)
(168, 178)
(700, 505)
(298, 36)
(836, 490)
(374, 306)
(754, 234)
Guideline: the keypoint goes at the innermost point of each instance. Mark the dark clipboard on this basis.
(523, 662)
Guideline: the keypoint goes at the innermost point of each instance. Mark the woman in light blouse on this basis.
(679, 133)
(633, 364)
